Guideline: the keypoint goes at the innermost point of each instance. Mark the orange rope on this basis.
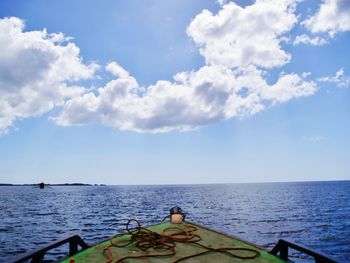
(145, 239)
(110, 254)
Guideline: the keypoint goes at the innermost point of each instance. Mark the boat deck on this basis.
(209, 238)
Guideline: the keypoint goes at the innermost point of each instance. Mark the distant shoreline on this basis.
(178, 184)
(67, 184)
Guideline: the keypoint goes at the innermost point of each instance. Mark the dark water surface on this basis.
(316, 214)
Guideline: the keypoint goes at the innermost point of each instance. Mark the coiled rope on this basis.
(145, 239)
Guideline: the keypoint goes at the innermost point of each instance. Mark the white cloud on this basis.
(36, 69)
(339, 79)
(313, 138)
(117, 70)
(306, 74)
(221, 2)
(239, 45)
(332, 17)
(239, 37)
(236, 43)
(211, 94)
(304, 39)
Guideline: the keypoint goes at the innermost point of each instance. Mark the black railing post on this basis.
(283, 250)
(37, 258)
(73, 247)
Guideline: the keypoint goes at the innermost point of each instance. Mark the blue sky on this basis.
(162, 92)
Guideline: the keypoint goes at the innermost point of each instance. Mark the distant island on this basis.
(66, 184)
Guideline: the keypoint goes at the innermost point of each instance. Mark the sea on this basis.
(314, 214)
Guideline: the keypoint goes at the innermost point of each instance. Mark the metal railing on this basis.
(282, 247)
(38, 255)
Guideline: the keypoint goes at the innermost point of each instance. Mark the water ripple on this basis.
(314, 214)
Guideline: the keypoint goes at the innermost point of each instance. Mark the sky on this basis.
(174, 92)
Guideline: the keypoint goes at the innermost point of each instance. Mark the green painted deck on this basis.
(209, 237)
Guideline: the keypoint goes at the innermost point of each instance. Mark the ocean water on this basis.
(315, 214)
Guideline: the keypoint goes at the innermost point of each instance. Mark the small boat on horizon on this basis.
(176, 240)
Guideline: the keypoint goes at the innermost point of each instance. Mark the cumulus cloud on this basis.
(37, 70)
(340, 79)
(239, 46)
(304, 39)
(211, 94)
(221, 2)
(239, 37)
(332, 17)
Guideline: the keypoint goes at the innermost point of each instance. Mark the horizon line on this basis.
(169, 184)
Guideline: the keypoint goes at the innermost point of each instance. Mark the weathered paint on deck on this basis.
(209, 237)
